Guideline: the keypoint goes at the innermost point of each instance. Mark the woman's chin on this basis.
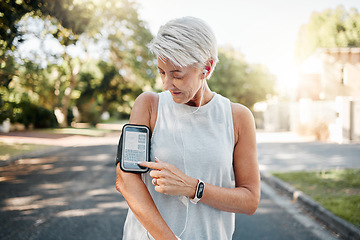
(178, 100)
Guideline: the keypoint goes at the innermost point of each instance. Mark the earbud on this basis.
(205, 71)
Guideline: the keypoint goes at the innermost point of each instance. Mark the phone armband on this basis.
(133, 148)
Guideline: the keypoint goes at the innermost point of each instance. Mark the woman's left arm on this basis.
(245, 197)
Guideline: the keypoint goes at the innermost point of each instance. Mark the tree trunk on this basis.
(67, 96)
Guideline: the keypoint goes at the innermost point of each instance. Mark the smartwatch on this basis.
(199, 192)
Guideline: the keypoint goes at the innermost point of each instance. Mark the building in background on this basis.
(329, 73)
(328, 98)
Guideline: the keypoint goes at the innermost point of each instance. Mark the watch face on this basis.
(200, 190)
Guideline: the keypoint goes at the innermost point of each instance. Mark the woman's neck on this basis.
(203, 97)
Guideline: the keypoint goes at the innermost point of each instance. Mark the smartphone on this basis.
(133, 148)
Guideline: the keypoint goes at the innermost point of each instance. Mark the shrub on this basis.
(321, 131)
(5, 110)
(28, 114)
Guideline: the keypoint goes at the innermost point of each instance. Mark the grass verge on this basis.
(337, 190)
(91, 132)
(10, 149)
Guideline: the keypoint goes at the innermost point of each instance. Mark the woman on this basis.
(200, 142)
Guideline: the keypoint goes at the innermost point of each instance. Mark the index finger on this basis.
(152, 165)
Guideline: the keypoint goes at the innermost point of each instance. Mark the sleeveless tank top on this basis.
(200, 142)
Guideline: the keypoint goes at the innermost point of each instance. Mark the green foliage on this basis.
(11, 12)
(71, 18)
(239, 81)
(29, 114)
(337, 190)
(104, 89)
(67, 13)
(7, 70)
(110, 83)
(128, 39)
(113, 85)
(6, 110)
(328, 29)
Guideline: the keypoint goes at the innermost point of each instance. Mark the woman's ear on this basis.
(209, 65)
(207, 68)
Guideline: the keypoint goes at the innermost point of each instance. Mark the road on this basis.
(287, 152)
(70, 194)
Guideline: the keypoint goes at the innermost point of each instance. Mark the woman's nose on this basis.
(167, 82)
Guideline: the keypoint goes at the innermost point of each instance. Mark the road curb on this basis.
(345, 229)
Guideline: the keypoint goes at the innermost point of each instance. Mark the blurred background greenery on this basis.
(90, 60)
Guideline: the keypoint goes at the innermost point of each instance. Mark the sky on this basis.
(265, 31)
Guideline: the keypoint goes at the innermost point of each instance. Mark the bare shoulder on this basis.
(243, 119)
(148, 98)
(240, 112)
(144, 111)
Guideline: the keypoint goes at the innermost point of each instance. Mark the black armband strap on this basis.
(119, 150)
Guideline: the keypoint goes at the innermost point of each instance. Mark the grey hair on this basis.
(186, 41)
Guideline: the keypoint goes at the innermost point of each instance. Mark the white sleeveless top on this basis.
(201, 145)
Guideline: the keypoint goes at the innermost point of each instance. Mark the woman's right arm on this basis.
(131, 186)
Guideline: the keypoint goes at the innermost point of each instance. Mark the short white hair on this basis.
(186, 41)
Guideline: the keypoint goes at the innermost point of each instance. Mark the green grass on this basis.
(337, 190)
(92, 132)
(87, 130)
(7, 150)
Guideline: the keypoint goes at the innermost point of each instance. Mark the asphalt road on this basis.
(70, 194)
(296, 156)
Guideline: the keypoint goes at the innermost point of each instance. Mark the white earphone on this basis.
(205, 72)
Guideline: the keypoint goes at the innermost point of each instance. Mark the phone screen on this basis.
(135, 147)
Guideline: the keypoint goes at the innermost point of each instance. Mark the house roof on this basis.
(339, 50)
(341, 55)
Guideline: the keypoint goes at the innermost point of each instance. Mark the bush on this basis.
(5, 110)
(45, 118)
(29, 114)
(25, 113)
(320, 130)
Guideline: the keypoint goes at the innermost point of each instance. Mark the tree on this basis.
(330, 28)
(128, 39)
(104, 89)
(113, 24)
(239, 81)
(71, 20)
(127, 70)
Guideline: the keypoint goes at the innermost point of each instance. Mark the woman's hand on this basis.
(169, 180)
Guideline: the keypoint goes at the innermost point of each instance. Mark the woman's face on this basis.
(184, 83)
